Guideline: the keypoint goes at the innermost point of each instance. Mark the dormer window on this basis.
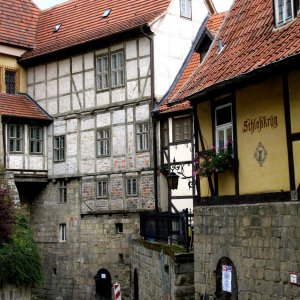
(284, 11)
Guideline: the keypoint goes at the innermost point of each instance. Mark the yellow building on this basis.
(247, 92)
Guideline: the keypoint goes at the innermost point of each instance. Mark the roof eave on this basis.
(256, 75)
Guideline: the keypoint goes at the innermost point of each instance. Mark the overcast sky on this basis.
(221, 5)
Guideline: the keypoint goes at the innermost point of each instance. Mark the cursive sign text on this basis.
(257, 124)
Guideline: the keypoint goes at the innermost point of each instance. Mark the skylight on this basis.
(106, 13)
(56, 27)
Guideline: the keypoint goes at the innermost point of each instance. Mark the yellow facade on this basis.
(10, 62)
(261, 138)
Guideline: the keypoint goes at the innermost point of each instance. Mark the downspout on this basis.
(153, 119)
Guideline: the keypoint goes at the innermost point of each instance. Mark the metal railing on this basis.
(166, 227)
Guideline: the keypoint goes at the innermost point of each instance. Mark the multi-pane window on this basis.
(142, 136)
(10, 81)
(36, 140)
(102, 72)
(131, 186)
(59, 148)
(117, 69)
(62, 191)
(284, 11)
(103, 142)
(223, 119)
(102, 187)
(182, 129)
(15, 138)
(110, 71)
(186, 8)
(62, 232)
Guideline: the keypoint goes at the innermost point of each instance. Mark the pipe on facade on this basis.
(3, 144)
(149, 37)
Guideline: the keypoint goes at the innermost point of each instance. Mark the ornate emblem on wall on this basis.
(260, 154)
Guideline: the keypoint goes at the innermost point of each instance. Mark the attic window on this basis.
(56, 27)
(106, 13)
(284, 11)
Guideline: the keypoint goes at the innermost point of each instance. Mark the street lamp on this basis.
(172, 179)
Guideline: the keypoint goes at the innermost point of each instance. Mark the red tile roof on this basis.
(18, 23)
(21, 106)
(251, 43)
(81, 21)
(169, 104)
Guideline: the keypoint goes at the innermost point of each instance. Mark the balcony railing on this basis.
(171, 228)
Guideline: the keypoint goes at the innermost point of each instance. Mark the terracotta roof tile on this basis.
(18, 23)
(21, 106)
(81, 21)
(169, 103)
(251, 42)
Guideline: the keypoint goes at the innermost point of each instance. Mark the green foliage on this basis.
(213, 161)
(20, 262)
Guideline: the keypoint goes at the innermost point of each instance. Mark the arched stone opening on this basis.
(103, 285)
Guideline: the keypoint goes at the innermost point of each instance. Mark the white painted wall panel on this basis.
(77, 64)
(52, 71)
(52, 88)
(142, 112)
(64, 103)
(88, 60)
(40, 73)
(64, 67)
(131, 49)
(40, 91)
(119, 142)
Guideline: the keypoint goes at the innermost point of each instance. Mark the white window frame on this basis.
(117, 69)
(35, 141)
(102, 188)
(186, 9)
(142, 136)
(132, 187)
(62, 191)
(63, 232)
(223, 128)
(102, 76)
(59, 146)
(281, 20)
(110, 70)
(15, 138)
(103, 142)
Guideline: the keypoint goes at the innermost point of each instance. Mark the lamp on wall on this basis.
(172, 179)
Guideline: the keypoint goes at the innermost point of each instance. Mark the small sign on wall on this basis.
(293, 278)
(226, 278)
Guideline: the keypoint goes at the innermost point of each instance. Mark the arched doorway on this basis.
(136, 285)
(103, 285)
(226, 280)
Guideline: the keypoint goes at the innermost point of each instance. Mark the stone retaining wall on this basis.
(262, 241)
(12, 292)
(160, 275)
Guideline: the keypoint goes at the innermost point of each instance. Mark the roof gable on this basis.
(18, 23)
(251, 43)
(81, 21)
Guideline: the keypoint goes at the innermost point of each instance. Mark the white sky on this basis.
(221, 5)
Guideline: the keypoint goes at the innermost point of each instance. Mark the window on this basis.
(110, 71)
(142, 136)
(102, 186)
(62, 191)
(103, 142)
(9, 80)
(223, 125)
(119, 227)
(15, 138)
(36, 140)
(186, 9)
(62, 232)
(182, 129)
(164, 133)
(59, 148)
(284, 11)
(131, 187)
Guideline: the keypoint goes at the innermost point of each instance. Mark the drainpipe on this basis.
(2, 144)
(149, 37)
